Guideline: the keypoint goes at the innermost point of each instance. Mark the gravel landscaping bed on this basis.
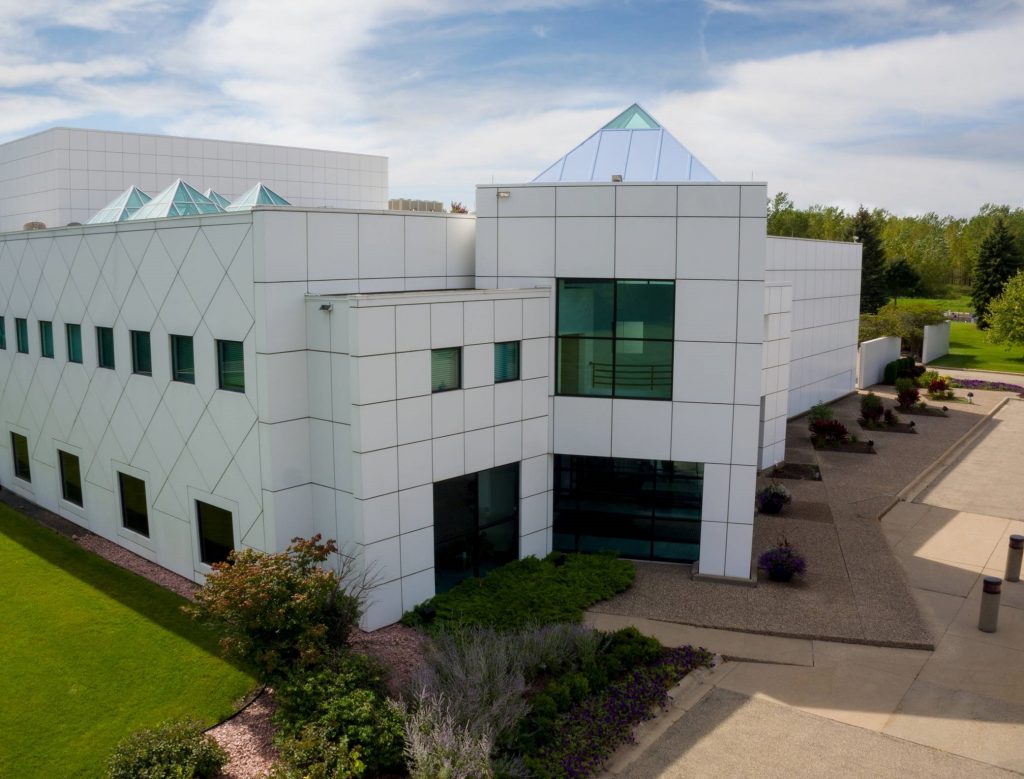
(120, 556)
(248, 739)
(397, 647)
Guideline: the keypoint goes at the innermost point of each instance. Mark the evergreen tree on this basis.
(873, 286)
(998, 260)
(902, 280)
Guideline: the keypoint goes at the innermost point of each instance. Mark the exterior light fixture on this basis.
(504, 193)
(328, 307)
(970, 397)
(617, 178)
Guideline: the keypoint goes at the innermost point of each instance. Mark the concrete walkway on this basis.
(794, 707)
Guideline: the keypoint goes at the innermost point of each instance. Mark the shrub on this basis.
(175, 750)
(871, 409)
(830, 432)
(438, 746)
(891, 417)
(339, 713)
(772, 498)
(527, 593)
(281, 611)
(782, 562)
(925, 379)
(820, 411)
(939, 389)
(314, 755)
(907, 394)
(906, 320)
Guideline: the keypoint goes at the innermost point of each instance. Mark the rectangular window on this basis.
(446, 369)
(644, 509)
(46, 339)
(3, 333)
(506, 361)
(134, 509)
(70, 478)
(74, 337)
(615, 338)
(105, 347)
(142, 359)
(216, 536)
(476, 524)
(19, 445)
(231, 366)
(21, 333)
(183, 364)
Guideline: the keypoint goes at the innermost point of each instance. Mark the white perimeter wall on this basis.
(872, 358)
(710, 239)
(936, 342)
(379, 438)
(778, 304)
(65, 175)
(826, 310)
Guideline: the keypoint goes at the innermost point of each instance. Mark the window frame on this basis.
(61, 454)
(176, 371)
(458, 368)
(27, 476)
(133, 338)
(198, 503)
(101, 352)
(613, 339)
(21, 334)
(46, 339)
(519, 361)
(69, 328)
(221, 362)
(121, 475)
(3, 333)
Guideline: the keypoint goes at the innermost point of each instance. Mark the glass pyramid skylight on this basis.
(632, 145)
(259, 195)
(217, 198)
(122, 207)
(179, 199)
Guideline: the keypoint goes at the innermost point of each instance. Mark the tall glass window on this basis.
(506, 361)
(70, 477)
(105, 347)
(142, 355)
(216, 535)
(74, 338)
(446, 369)
(21, 333)
(46, 339)
(645, 509)
(231, 365)
(3, 333)
(134, 509)
(476, 524)
(183, 363)
(615, 338)
(19, 447)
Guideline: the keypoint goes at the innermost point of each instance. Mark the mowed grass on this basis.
(957, 303)
(969, 348)
(90, 652)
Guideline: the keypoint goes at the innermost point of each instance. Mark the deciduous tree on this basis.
(1006, 314)
(998, 259)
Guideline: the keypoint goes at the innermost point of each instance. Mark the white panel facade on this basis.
(66, 175)
(873, 356)
(826, 313)
(778, 304)
(936, 342)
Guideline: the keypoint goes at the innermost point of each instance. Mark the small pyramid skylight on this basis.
(122, 207)
(259, 195)
(217, 198)
(179, 199)
(631, 147)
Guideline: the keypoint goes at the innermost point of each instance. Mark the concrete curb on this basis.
(920, 483)
(683, 697)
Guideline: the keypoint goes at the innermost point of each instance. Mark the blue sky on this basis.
(908, 104)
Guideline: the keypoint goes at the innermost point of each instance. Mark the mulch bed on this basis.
(848, 447)
(801, 471)
(927, 411)
(895, 427)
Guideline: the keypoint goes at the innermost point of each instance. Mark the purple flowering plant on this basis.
(782, 562)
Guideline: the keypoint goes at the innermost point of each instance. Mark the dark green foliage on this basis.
(906, 321)
(172, 750)
(873, 287)
(336, 714)
(528, 592)
(898, 369)
(999, 258)
(313, 755)
(871, 409)
(901, 280)
(820, 411)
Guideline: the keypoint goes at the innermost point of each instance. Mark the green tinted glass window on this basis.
(134, 509)
(46, 339)
(142, 355)
(105, 347)
(231, 365)
(21, 332)
(70, 477)
(19, 448)
(74, 337)
(216, 535)
(3, 333)
(506, 361)
(615, 338)
(183, 364)
(445, 369)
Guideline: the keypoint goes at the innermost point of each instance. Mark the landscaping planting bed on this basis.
(927, 411)
(801, 471)
(847, 447)
(892, 427)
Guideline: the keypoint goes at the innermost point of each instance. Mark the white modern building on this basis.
(599, 359)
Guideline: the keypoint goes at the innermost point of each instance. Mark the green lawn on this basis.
(90, 652)
(969, 349)
(957, 303)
